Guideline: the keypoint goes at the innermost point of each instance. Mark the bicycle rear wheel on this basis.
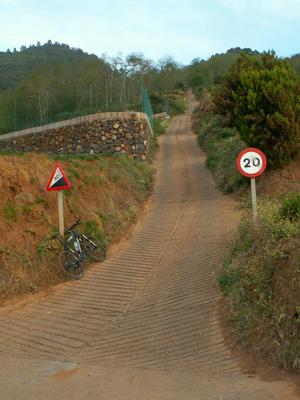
(94, 248)
(70, 265)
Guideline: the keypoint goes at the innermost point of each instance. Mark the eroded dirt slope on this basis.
(107, 193)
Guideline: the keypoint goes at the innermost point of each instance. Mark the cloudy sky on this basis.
(185, 29)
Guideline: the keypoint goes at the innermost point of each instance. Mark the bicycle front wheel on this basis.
(70, 265)
(94, 248)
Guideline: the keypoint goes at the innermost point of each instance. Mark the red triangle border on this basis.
(66, 187)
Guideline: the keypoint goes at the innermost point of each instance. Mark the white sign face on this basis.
(56, 177)
(251, 162)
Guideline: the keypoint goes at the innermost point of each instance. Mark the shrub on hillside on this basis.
(260, 97)
(261, 281)
(290, 208)
(222, 145)
(171, 103)
(178, 106)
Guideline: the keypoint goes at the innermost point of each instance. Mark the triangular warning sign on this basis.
(58, 180)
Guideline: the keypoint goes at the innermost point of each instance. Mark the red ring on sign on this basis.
(254, 150)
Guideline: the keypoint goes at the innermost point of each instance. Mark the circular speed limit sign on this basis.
(251, 162)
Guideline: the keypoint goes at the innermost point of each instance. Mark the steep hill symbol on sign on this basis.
(58, 180)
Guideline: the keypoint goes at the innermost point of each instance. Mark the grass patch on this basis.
(290, 208)
(42, 201)
(92, 229)
(173, 103)
(11, 152)
(42, 247)
(28, 210)
(93, 180)
(10, 212)
(178, 105)
(160, 126)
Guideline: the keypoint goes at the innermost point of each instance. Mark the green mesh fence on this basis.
(145, 102)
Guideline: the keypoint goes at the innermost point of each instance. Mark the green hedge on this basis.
(222, 145)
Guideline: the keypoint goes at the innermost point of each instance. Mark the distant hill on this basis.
(18, 65)
(203, 73)
(50, 82)
(47, 82)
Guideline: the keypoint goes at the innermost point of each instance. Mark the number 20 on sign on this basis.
(251, 163)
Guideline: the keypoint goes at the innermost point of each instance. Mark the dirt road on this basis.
(143, 325)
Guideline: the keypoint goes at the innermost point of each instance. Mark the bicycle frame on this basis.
(87, 238)
(77, 253)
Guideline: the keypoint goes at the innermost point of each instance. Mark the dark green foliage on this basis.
(222, 145)
(18, 65)
(177, 106)
(172, 104)
(290, 208)
(160, 126)
(260, 97)
(92, 230)
(261, 282)
(228, 278)
(205, 73)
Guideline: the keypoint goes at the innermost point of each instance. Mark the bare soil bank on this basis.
(108, 193)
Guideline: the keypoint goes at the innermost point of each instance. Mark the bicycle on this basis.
(77, 247)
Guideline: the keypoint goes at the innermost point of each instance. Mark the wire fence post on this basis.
(146, 104)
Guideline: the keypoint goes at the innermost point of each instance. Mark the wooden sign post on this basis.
(59, 182)
(251, 163)
(61, 219)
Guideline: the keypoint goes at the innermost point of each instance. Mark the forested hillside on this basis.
(206, 73)
(49, 82)
(18, 65)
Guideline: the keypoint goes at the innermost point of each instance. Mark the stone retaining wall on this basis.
(127, 132)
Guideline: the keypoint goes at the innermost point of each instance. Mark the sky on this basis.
(185, 29)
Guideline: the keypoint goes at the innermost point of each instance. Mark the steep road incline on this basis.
(142, 325)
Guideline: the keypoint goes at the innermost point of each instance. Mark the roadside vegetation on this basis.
(159, 128)
(260, 97)
(256, 103)
(222, 144)
(173, 103)
(261, 280)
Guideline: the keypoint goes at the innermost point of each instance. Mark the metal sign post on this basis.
(251, 163)
(61, 223)
(253, 197)
(59, 182)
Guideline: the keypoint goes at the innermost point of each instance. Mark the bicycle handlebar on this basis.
(78, 222)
